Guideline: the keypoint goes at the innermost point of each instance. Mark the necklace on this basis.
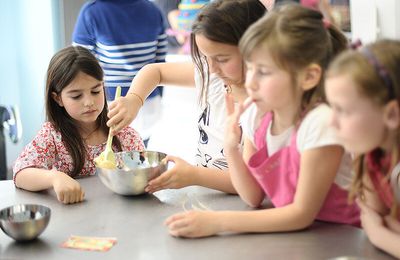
(90, 134)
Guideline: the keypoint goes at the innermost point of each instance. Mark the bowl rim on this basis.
(122, 171)
(47, 211)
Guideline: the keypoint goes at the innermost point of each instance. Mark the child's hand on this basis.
(181, 175)
(67, 189)
(371, 221)
(193, 224)
(233, 131)
(122, 112)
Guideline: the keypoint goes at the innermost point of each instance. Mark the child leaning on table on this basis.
(295, 160)
(75, 132)
(363, 89)
(217, 68)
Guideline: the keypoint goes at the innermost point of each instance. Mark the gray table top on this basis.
(137, 223)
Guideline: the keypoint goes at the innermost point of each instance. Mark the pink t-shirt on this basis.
(48, 151)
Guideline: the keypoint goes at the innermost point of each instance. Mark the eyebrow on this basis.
(262, 65)
(78, 90)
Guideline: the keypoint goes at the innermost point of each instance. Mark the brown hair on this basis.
(63, 68)
(372, 85)
(295, 37)
(223, 21)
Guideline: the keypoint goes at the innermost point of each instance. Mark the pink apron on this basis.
(278, 175)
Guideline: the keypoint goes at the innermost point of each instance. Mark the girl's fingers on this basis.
(164, 177)
(162, 186)
(238, 113)
(247, 103)
(173, 218)
(230, 106)
(361, 204)
(171, 158)
(60, 197)
(66, 198)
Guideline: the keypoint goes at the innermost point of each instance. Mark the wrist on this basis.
(220, 219)
(195, 175)
(54, 175)
(232, 150)
(132, 95)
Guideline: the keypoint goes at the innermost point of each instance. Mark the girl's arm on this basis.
(371, 198)
(67, 189)
(317, 173)
(124, 109)
(34, 179)
(382, 232)
(245, 184)
(184, 174)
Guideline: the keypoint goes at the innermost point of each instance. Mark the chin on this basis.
(356, 149)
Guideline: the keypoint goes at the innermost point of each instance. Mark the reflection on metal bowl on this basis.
(24, 222)
(134, 170)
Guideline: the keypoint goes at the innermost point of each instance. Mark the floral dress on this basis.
(48, 151)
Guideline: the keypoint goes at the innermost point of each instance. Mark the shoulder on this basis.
(315, 129)
(89, 6)
(48, 129)
(321, 113)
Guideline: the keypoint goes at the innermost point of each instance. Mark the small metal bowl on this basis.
(24, 222)
(134, 170)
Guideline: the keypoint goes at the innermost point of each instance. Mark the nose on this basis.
(88, 102)
(250, 83)
(213, 66)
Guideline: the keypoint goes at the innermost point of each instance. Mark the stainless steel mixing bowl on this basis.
(24, 222)
(134, 170)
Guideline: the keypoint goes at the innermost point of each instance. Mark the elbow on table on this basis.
(303, 220)
(253, 202)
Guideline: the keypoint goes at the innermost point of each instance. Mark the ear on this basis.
(391, 115)
(57, 98)
(310, 77)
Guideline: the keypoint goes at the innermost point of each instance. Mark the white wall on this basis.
(27, 45)
(375, 19)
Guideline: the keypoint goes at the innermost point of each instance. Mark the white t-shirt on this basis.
(211, 123)
(314, 131)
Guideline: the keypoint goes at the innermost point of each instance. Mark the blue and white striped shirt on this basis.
(124, 35)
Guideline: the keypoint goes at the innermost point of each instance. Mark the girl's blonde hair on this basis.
(295, 37)
(375, 71)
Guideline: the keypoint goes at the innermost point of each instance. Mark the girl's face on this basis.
(83, 99)
(359, 122)
(267, 85)
(223, 59)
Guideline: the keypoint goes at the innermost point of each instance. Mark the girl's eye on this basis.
(263, 72)
(96, 92)
(221, 60)
(76, 97)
